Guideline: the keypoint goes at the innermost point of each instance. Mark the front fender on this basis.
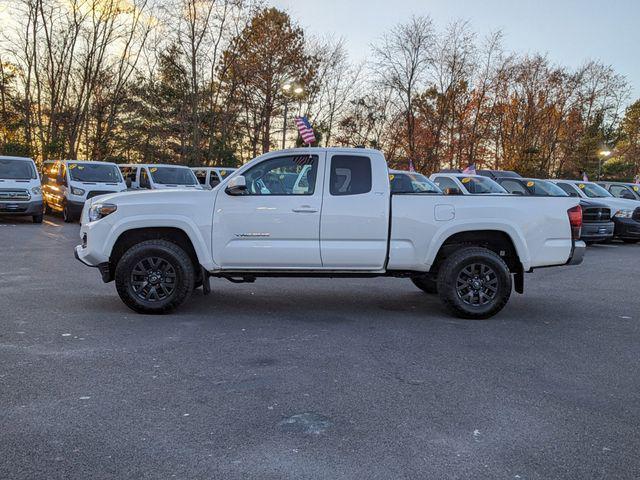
(184, 223)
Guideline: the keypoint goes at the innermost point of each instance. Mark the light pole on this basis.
(289, 90)
(602, 154)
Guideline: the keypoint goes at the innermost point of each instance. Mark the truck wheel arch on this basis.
(497, 241)
(131, 237)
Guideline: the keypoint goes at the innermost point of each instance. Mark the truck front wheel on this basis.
(474, 283)
(154, 276)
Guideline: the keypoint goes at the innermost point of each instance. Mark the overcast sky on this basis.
(569, 31)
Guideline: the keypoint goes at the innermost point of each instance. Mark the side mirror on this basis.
(128, 182)
(236, 186)
(452, 191)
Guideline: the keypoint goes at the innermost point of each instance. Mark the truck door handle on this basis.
(304, 209)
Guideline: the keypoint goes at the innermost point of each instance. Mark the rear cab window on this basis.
(350, 175)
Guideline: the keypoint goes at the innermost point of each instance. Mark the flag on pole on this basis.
(412, 167)
(306, 130)
(470, 170)
(585, 178)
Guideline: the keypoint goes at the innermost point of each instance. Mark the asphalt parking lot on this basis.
(314, 378)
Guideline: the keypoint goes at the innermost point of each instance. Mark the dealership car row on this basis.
(610, 209)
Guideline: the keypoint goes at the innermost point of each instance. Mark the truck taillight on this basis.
(575, 220)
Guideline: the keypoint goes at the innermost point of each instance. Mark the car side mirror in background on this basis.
(128, 182)
(237, 185)
(452, 191)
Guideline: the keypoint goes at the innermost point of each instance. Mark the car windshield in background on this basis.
(173, 176)
(542, 188)
(475, 185)
(412, 183)
(13, 169)
(94, 172)
(592, 190)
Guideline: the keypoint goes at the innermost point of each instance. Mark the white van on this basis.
(210, 177)
(20, 190)
(67, 184)
(158, 177)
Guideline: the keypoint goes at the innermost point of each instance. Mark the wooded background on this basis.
(200, 82)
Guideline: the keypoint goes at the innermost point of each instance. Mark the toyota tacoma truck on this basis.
(324, 212)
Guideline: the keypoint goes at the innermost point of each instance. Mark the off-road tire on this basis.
(452, 268)
(173, 255)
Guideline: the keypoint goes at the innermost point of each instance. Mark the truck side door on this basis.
(355, 212)
(272, 225)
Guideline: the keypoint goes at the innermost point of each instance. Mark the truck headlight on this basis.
(77, 191)
(624, 213)
(101, 210)
(36, 190)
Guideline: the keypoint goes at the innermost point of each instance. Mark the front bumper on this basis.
(627, 228)
(594, 232)
(34, 207)
(577, 253)
(105, 267)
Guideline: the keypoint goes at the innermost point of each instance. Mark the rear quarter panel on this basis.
(538, 226)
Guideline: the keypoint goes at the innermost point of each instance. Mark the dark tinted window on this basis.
(445, 184)
(94, 172)
(569, 190)
(513, 186)
(350, 175)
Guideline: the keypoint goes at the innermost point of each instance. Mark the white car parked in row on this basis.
(325, 212)
(158, 177)
(465, 184)
(20, 189)
(210, 177)
(67, 184)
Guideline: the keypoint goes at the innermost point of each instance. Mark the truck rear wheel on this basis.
(155, 276)
(474, 283)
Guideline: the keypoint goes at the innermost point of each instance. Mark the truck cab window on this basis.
(291, 175)
(350, 175)
(513, 186)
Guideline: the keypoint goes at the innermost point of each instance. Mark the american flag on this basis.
(470, 170)
(303, 160)
(306, 130)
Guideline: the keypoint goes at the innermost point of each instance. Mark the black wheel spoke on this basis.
(153, 279)
(477, 284)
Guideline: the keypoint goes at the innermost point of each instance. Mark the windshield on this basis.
(475, 185)
(94, 172)
(412, 183)
(225, 173)
(542, 188)
(14, 169)
(173, 176)
(592, 190)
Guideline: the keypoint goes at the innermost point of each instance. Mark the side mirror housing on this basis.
(128, 182)
(236, 186)
(452, 191)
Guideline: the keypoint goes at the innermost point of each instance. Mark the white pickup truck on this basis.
(325, 212)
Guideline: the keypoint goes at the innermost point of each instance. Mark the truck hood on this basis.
(27, 184)
(153, 197)
(617, 203)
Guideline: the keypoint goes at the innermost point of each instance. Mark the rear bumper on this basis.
(594, 232)
(627, 228)
(35, 207)
(577, 253)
